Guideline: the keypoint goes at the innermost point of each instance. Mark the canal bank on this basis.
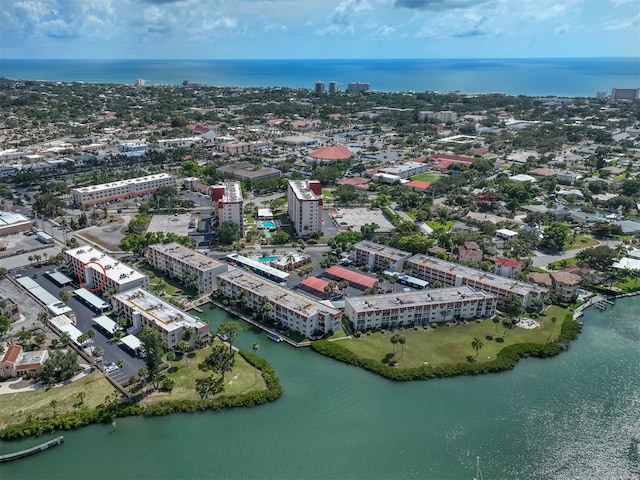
(573, 416)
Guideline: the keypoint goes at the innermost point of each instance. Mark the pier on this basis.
(30, 451)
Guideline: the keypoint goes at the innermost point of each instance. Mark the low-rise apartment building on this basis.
(419, 308)
(99, 272)
(194, 269)
(376, 255)
(122, 189)
(305, 206)
(452, 274)
(143, 309)
(292, 310)
(228, 204)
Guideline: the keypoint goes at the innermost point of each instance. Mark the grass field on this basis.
(15, 407)
(450, 345)
(437, 225)
(430, 177)
(240, 380)
(581, 242)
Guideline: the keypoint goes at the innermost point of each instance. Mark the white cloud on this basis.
(623, 24)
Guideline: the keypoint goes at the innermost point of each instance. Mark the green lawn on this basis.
(560, 264)
(450, 345)
(630, 284)
(437, 225)
(581, 242)
(250, 218)
(240, 380)
(328, 194)
(430, 177)
(15, 407)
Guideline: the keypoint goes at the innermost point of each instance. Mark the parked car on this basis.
(110, 367)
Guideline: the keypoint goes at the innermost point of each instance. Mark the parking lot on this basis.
(84, 322)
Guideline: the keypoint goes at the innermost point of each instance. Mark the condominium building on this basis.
(419, 308)
(133, 187)
(294, 311)
(99, 272)
(143, 309)
(194, 269)
(357, 87)
(228, 204)
(375, 255)
(448, 273)
(305, 206)
(319, 87)
(333, 87)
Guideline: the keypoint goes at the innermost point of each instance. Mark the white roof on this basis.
(265, 212)
(132, 342)
(9, 218)
(627, 263)
(506, 232)
(523, 178)
(124, 183)
(89, 297)
(107, 324)
(114, 269)
(37, 291)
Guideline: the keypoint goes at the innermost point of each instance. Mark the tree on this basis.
(280, 237)
(600, 257)
(171, 357)
(209, 386)
(555, 235)
(228, 233)
(184, 348)
(59, 367)
(513, 305)
(368, 230)
(154, 347)
(230, 330)
(255, 347)
(65, 338)
(553, 324)
(3, 273)
(477, 345)
(44, 318)
(219, 361)
(394, 340)
(402, 340)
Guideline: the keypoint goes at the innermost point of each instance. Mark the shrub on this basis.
(434, 325)
(499, 339)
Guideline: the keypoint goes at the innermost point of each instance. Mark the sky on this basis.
(334, 29)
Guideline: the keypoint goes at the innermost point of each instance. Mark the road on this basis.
(542, 260)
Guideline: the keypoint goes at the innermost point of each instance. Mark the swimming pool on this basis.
(268, 224)
(268, 259)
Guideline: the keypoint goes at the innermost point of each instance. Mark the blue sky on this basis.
(223, 29)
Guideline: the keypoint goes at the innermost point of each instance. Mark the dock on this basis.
(30, 451)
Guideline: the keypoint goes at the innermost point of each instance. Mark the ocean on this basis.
(569, 77)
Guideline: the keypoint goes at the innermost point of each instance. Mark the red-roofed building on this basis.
(508, 267)
(419, 159)
(442, 161)
(355, 279)
(315, 286)
(18, 362)
(353, 181)
(417, 185)
(331, 153)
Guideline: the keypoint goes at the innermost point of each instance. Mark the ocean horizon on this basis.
(566, 77)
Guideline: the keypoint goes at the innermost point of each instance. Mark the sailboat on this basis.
(478, 471)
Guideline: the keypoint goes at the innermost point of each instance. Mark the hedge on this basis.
(506, 359)
(107, 414)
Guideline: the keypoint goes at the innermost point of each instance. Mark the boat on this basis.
(478, 471)
(274, 336)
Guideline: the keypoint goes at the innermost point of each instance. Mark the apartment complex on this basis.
(133, 187)
(305, 206)
(294, 311)
(358, 87)
(228, 204)
(143, 309)
(419, 308)
(99, 272)
(447, 273)
(194, 269)
(375, 255)
(319, 87)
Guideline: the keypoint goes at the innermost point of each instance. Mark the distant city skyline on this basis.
(288, 29)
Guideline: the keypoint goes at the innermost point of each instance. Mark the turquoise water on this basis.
(574, 416)
(268, 259)
(542, 76)
(268, 224)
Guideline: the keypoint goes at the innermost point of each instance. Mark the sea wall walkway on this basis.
(30, 451)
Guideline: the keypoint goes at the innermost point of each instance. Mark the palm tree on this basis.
(43, 317)
(394, 340)
(120, 363)
(65, 338)
(64, 295)
(477, 345)
(171, 356)
(402, 340)
(255, 347)
(184, 347)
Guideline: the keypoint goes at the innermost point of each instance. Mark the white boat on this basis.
(275, 337)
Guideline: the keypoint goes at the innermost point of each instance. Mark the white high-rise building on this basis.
(228, 203)
(305, 206)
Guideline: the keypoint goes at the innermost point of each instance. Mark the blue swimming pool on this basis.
(268, 259)
(268, 224)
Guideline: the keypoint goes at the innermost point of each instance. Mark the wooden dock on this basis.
(30, 451)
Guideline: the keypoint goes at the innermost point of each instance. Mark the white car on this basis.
(111, 367)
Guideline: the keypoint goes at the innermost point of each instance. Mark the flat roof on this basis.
(186, 255)
(480, 276)
(132, 342)
(407, 278)
(92, 299)
(10, 218)
(275, 293)
(382, 250)
(37, 291)
(232, 192)
(124, 183)
(279, 274)
(114, 269)
(59, 277)
(414, 299)
(107, 324)
(166, 316)
(302, 190)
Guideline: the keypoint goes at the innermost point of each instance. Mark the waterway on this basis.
(574, 416)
